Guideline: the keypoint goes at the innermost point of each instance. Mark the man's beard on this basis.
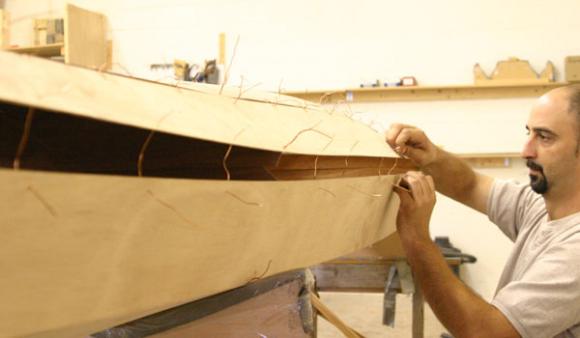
(539, 183)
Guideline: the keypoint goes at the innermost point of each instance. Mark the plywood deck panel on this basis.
(288, 128)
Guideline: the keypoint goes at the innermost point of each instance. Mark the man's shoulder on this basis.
(567, 230)
(515, 207)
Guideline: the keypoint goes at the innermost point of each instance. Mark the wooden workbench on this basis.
(368, 270)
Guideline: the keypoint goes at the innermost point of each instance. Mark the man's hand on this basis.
(463, 312)
(416, 207)
(412, 143)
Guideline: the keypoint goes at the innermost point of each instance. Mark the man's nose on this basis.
(529, 150)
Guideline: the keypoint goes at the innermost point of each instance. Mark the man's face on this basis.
(551, 149)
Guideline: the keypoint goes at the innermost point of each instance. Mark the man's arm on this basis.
(453, 176)
(460, 310)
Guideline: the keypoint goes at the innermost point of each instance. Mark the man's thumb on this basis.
(404, 194)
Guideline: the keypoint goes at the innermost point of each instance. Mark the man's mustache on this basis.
(534, 166)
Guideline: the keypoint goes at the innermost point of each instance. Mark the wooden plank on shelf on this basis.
(513, 71)
(572, 68)
(42, 51)
(4, 29)
(425, 93)
(221, 49)
(109, 62)
(85, 38)
(490, 160)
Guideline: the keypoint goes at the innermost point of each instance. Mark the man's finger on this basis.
(403, 137)
(393, 132)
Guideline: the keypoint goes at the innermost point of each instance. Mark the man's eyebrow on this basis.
(543, 130)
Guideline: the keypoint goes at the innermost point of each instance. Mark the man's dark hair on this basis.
(574, 107)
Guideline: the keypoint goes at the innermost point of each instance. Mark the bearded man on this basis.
(538, 295)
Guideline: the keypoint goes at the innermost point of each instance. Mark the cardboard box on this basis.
(48, 31)
(572, 68)
(55, 31)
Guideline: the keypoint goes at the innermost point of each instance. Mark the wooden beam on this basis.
(418, 326)
(425, 93)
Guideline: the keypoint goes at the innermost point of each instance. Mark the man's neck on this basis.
(562, 206)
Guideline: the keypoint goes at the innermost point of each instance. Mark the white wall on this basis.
(467, 126)
(473, 233)
(336, 44)
(329, 44)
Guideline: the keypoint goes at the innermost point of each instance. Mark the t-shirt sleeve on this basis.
(507, 205)
(546, 300)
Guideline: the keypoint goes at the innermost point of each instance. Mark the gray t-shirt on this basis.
(539, 289)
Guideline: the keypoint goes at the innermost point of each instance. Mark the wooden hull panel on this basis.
(81, 253)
